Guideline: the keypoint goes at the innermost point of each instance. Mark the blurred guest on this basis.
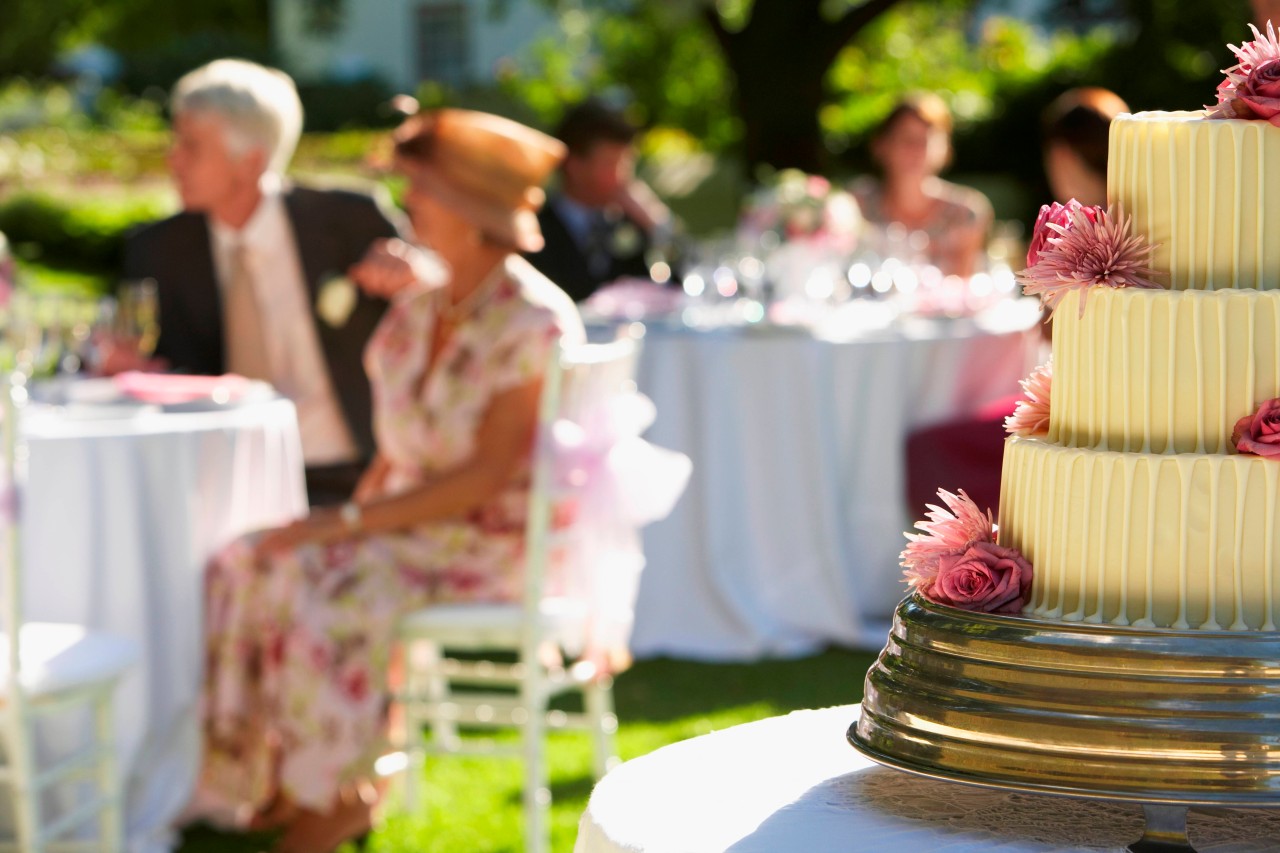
(602, 222)
(911, 147)
(255, 274)
(300, 620)
(1075, 138)
(968, 452)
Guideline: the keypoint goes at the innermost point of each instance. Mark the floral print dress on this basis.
(297, 650)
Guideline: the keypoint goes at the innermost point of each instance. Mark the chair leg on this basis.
(537, 790)
(111, 821)
(597, 698)
(26, 805)
(436, 688)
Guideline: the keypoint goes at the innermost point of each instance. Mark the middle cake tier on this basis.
(1153, 540)
(1162, 371)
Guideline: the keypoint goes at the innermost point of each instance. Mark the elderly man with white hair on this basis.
(255, 275)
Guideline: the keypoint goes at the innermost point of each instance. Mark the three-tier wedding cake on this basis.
(1148, 495)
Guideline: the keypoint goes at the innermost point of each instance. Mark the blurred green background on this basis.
(725, 90)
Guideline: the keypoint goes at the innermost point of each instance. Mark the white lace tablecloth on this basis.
(793, 783)
(120, 516)
(787, 537)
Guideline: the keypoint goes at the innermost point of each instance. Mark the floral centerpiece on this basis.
(798, 206)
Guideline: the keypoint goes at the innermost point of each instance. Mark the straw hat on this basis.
(487, 169)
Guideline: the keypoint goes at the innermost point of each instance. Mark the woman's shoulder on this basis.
(538, 301)
(972, 202)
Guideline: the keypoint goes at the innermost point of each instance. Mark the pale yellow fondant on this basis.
(1200, 189)
(1153, 540)
(1162, 371)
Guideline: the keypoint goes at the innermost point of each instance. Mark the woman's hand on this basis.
(391, 266)
(370, 484)
(321, 527)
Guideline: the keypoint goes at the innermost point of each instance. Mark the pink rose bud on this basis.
(987, 578)
(1259, 433)
(1061, 216)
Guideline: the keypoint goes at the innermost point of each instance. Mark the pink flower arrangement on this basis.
(1031, 415)
(1259, 434)
(955, 560)
(796, 206)
(1075, 247)
(1251, 89)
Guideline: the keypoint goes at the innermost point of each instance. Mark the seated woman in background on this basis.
(300, 620)
(967, 453)
(911, 147)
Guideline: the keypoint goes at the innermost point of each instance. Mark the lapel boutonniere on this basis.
(335, 300)
(625, 240)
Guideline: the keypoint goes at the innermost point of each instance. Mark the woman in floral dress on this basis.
(300, 620)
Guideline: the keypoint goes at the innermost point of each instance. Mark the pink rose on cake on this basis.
(1252, 87)
(1259, 434)
(955, 560)
(986, 577)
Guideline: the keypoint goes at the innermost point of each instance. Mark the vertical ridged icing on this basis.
(1196, 188)
(1167, 372)
(1172, 540)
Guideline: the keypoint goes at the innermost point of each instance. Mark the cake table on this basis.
(791, 783)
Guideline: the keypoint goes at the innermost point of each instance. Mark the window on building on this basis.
(444, 49)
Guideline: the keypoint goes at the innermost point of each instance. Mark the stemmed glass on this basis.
(137, 318)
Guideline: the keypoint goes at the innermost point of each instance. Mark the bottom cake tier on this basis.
(1186, 541)
(1154, 715)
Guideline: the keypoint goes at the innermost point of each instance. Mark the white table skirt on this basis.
(120, 517)
(793, 783)
(787, 538)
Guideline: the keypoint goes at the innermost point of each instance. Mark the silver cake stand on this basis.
(1169, 719)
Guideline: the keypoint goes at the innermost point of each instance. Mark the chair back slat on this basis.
(13, 396)
(578, 379)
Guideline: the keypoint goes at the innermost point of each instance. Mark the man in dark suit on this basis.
(255, 275)
(602, 223)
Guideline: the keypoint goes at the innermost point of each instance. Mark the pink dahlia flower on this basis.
(1031, 415)
(946, 532)
(1088, 251)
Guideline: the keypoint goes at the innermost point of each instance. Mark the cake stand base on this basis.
(1166, 831)
(1165, 718)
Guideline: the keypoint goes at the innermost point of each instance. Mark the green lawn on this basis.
(473, 805)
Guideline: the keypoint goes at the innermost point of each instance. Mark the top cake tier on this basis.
(1198, 189)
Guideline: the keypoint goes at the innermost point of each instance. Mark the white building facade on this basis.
(408, 42)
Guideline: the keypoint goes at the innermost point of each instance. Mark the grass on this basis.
(473, 805)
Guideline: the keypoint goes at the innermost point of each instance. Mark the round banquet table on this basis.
(793, 783)
(120, 515)
(787, 537)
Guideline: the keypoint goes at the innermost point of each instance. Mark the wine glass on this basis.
(137, 319)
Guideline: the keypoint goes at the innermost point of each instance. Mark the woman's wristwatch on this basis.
(352, 517)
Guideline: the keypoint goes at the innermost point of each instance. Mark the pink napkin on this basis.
(634, 298)
(168, 388)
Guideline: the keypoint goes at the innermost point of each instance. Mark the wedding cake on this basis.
(1138, 488)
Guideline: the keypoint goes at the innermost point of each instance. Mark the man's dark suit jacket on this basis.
(563, 261)
(333, 229)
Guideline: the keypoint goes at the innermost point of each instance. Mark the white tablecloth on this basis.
(788, 536)
(793, 783)
(120, 516)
